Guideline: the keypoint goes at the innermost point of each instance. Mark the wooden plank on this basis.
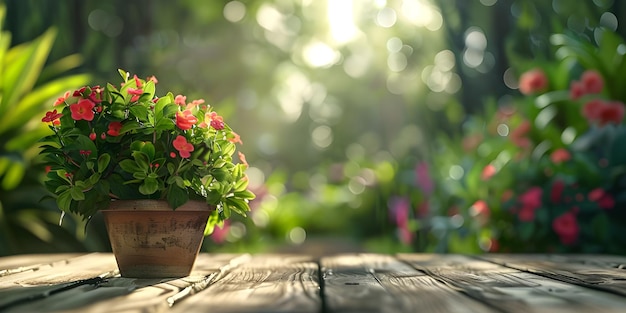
(265, 283)
(21, 262)
(512, 290)
(380, 283)
(109, 293)
(603, 272)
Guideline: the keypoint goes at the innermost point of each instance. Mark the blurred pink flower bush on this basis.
(544, 171)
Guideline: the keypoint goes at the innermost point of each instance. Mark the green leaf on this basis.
(140, 112)
(64, 200)
(22, 66)
(238, 205)
(177, 196)
(103, 162)
(148, 149)
(77, 193)
(149, 186)
(617, 152)
(129, 126)
(130, 166)
(246, 194)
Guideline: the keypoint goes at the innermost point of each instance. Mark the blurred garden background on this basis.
(464, 126)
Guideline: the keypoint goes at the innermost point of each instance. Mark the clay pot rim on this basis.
(157, 205)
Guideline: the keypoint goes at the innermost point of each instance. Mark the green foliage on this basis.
(27, 82)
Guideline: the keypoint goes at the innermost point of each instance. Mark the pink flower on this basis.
(533, 81)
(423, 179)
(566, 227)
(560, 155)
(220, 234)
(184, 148)
(531, 198)
(518, 135)
(480, 211)
(136, 94)
(61, 100)
(557, 191)
(242, 158)
(599, 112)
(526, 214)
(180, 100)
(576, 90)
(399, 208)
(185, 120)
(83, 110)
(488, 172)
(592, 81)
(604, 199)
(217, 121)
(612, 112)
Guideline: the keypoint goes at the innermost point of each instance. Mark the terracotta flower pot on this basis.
(150, 240)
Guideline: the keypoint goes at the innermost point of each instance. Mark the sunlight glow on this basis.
(341, 20)
(422, 14)
(234, 11)
(319, 54)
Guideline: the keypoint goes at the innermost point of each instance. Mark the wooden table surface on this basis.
(339, 283)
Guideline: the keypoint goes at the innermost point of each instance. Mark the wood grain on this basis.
(602, 272)
(379, 283)
(56, 288)
(341, 283)
(265, 283)
(512, 290)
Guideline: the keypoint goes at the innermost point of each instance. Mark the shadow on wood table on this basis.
(347, 282)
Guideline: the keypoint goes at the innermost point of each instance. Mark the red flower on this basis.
(601, 113)
(566, 227)
(604, 199)
(92, 136)
(185, 120)
(531, 198)
(557, 191)
(576, 90)
(592, 81)
(51, 116)
(526, 214)
(114, 129)
(560, 155)
(83, 110)
(79, 92)
(518, 135)
(217, 121)
(137, 82)
(96, 94)
(533, 81)
(488, 172)
(612, 112)
(61, 100)
(591, 110)
(136, 94)
(184, 148)
(480, 210)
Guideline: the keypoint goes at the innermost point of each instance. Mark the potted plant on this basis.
(152, 165)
